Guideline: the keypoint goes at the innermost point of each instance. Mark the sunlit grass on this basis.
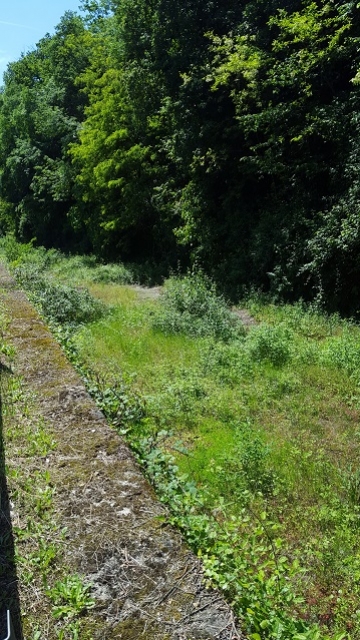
(113, 294)
(305, 412)
(125, 338)
(267, 421)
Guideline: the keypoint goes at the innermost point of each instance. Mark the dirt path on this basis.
(146, 582)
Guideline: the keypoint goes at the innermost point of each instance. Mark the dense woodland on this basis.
(222, 132)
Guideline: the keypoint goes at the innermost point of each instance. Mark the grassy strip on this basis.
(247, 563)
(264, 424)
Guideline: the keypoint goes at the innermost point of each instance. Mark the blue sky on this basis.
(24, 22)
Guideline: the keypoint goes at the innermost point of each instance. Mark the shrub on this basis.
(59, 303)
(87, 268)
(14, 250)
(250, 464)
(271, 344)
(190, 305)
(117, 273)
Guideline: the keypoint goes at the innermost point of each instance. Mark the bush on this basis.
(88, 268)
(116, 273)
(15, 252)
(271, 344)
(250, 464)
(190, 305)
(59, 303)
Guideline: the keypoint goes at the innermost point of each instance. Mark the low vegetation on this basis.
(250, 436)
(53, 598)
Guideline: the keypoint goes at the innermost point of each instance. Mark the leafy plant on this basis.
(250, 464)
(351, 484)
(270, 344)
(70, 597)
(190, 305)
(58, 302)
(15, 251)
(229, 362)
(79, 268)
(343, 353)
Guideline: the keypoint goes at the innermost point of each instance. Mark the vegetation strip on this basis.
(264, 422)
(143, 579)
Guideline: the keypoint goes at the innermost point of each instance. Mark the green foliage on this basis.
(88, 269)
(343, 353)
(265, 426)
(106, 273)
(229, 362)
(254, 460)
(15, 251)
(245, 562)
(70, 597)
(270, 344)
(58, 303)
(117, 400)
(351, 484)
(190, 305)
(219, 133)
(39, 115)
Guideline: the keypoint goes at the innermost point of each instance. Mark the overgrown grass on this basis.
(191, 306)
(263, 423)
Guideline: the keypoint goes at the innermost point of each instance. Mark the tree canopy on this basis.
(219, 132)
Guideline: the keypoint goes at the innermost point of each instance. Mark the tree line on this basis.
(221, 132)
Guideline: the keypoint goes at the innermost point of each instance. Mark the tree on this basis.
(41, 108)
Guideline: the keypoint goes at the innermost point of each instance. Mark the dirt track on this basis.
(146, 582)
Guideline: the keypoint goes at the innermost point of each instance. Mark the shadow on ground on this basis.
(9, 595)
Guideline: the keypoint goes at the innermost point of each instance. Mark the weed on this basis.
(72, 630)
(191, 306)
(70, 597)
(58, 303)
(38, 539)
(270, 344)
(343, 353)
(250, 463)
(229, 362)
(351, 485)
(15, 251)
(177, 401)
(42, 442)
(79, 269)
(253, 458)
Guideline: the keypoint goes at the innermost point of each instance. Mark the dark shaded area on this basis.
(9, 595)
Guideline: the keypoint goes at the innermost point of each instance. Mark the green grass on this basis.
(302, 407)
(262, 422)
(299, 403)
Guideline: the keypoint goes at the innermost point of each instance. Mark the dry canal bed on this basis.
(145, 582)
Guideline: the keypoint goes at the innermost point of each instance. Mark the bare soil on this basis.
(146, 583)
